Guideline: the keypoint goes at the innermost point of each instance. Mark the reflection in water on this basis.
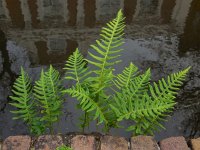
(190, 39)
(54, 28)
(6, 61)
(89, 7)
(15, 11)
(72, 8)
(192, 123)
(166, 10)
(149, 7)
(34, 13)
(129, 9)
(55, 51)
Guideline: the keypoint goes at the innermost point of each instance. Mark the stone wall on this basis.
(97, 142)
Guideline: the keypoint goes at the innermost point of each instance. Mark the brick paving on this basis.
(17, 143)
(83, 142)
(195, 143)
(174, 143)
(48, 142)
(98, 142)
(113, 143)
(143, 143)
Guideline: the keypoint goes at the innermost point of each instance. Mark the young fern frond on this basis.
(22, 100)
(76, 67)
(86, 102)
(48, 92)
(122, 80)
(107, 48)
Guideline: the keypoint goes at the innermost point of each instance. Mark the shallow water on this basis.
(161, 34)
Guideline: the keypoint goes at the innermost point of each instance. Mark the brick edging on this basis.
(96, 142)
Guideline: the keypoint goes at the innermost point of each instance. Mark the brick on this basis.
(113, 143)
(143, 143)
(48, 142)
(17, 143)
(174, 143)
(83, 142)
(195, 143)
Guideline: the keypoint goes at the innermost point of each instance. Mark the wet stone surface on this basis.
(48, 142)
(195, 144)
(83, 142)
(17, 143)
(174, 143)
(113, 143)
(143, 143)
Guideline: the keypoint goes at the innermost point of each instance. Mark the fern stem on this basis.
(84, 123)
(46, 101)
(26, 95)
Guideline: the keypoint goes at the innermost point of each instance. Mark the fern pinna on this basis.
(44, 97)
(110, 98)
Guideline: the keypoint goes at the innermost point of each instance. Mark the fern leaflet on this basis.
(123, 80)
(76, 67)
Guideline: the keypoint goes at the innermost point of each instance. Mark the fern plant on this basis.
(22, 100)
(102, 95)
(91, 90)
(147, 104)
(39, 106)
(109, 98)
(47, 90)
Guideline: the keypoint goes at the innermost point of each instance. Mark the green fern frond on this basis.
(76, 67)
(139, 85)
(166, 90)
(107, 48)
(86, 102)
(127, 75)
(133, 85)
(22, 100)
(48, 92)
(108, 45)
(144, 110)
(147, 111)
